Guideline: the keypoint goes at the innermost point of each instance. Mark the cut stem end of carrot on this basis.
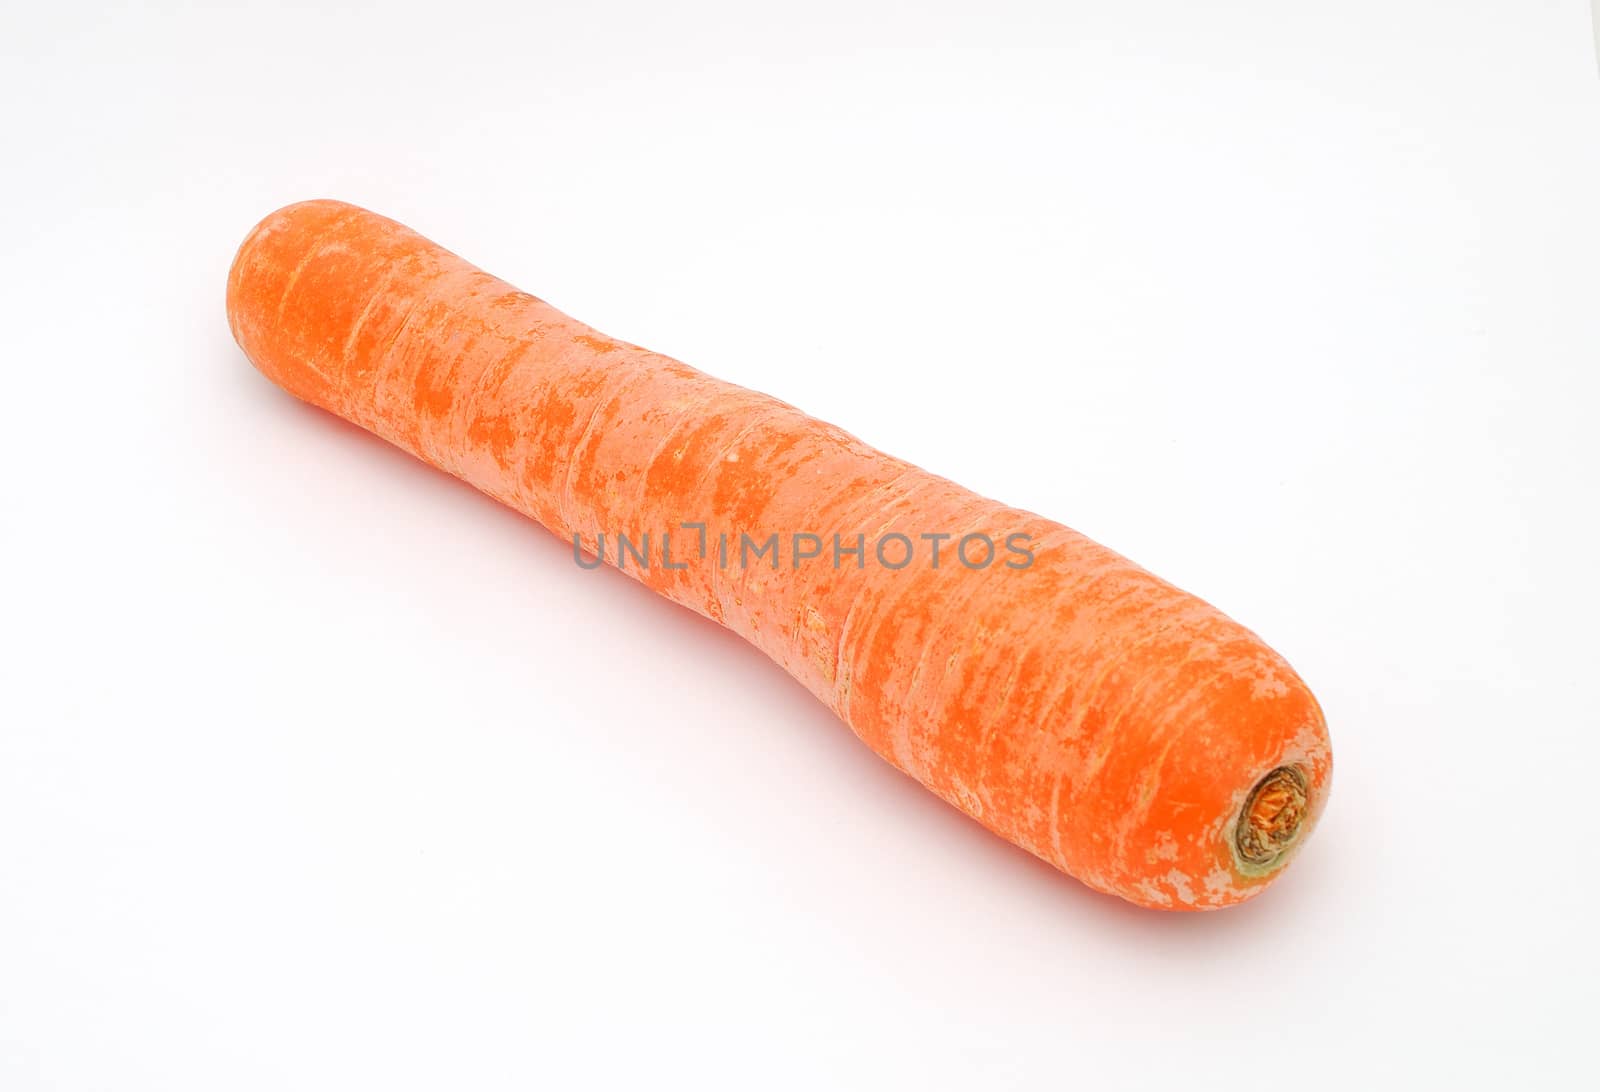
(1271, 820)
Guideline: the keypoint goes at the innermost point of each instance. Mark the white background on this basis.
(320, 771)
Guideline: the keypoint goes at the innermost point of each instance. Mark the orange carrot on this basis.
(1117, 727)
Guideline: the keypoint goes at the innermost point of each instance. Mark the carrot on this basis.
(1117, 727)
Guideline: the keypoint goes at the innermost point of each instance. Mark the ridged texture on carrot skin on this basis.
(1080, 707)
